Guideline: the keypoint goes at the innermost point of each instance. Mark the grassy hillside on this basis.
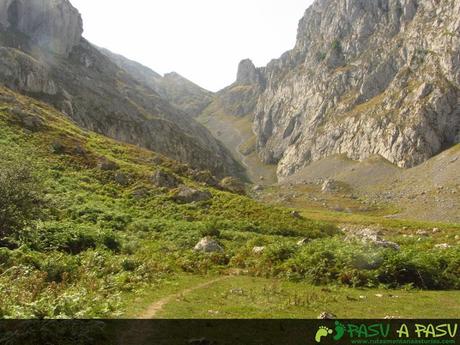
(108, 238)
(109, 230)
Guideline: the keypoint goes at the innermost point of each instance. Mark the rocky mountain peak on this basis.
(52, 24)
(247, 73)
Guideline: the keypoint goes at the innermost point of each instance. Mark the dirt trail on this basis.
(152, 311)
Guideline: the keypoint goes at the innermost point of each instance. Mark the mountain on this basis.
(43, 55)
(177, 90)
(364, 78)
(240, 98)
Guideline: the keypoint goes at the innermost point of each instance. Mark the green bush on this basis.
(328, 261)
(210, 230)
(62, 236)
(22, 196)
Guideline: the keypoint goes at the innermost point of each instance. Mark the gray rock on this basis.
(55, 25)
(327, 316)
(258, 188)
(208, 245)
(247, 73)
(372, 237)
(303, 242)
(107, 165)
(121, 178)
(233, 184)
(164, 179)
(205, 177)
(296, 214)
(258, 250)
(140, 193)
(28, 121)
(329, 186)
(187, 195)
(443, 246)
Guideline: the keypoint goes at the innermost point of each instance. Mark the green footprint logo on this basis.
(339, 331)
(323, 331)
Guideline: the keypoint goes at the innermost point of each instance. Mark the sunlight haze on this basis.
(203, 40)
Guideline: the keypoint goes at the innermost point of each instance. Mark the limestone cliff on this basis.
(53, 24)
(365, 77)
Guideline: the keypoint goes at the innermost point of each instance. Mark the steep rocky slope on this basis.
(240, 98)
(43, 54)
(177, 90)
(365, 77)
(230, 115)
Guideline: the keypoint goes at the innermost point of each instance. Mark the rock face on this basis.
(364, 78)
(42, 54)
(53, 24)
(240, 98)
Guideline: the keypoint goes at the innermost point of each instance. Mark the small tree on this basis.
(21, 196)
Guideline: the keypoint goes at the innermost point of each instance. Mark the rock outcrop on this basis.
(43, 55)
(53, 24)
(240, 98)
(365, 78)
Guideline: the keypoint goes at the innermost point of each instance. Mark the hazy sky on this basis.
(203, 40)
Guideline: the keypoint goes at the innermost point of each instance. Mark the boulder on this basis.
(258, 250)
(121, 178)
(232, 184)
(296, 214)
(140, 193)
(303, 242)
(443, 246)
(163, 179)
(187, 195)
(326, 316)
(329, 186)
(257, 188)
(205, 177)
(27, 120)
(208, 245)
(107, 165)
(371, 236)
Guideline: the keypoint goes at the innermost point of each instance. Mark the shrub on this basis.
(336, 45)
(62, 236)
(110, 240)
(210, 230)
(21, 196)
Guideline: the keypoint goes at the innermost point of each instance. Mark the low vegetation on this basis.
(84, 229)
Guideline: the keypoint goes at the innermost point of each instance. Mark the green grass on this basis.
(247, 297)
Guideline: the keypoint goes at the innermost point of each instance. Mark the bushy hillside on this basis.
(106, 228)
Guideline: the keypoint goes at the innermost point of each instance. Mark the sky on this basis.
(203, 40)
